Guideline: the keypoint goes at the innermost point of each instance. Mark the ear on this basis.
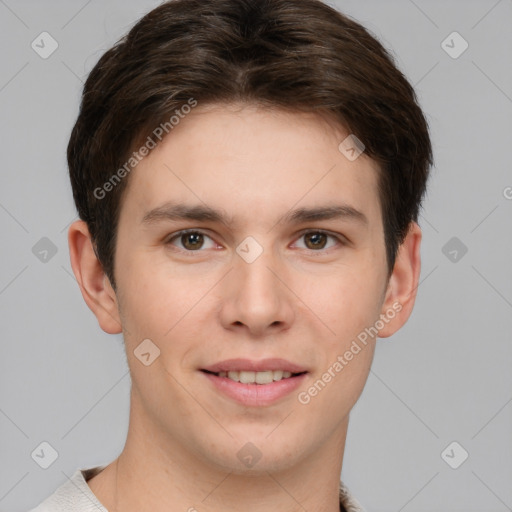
(93, 282)
(403, 283)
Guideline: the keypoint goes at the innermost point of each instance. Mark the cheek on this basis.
(348, 304)
(146, 279)
(347, 354)
(161, 303)
(351, 308)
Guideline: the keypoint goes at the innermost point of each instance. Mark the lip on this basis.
(248, 365)
(255, 395)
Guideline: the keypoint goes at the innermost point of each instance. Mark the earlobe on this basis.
(94, 284)
(403, 283)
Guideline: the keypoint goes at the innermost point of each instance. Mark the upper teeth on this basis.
(256, 377)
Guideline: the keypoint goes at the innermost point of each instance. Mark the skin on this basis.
(295, 301)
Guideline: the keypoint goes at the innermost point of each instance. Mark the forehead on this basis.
(253, 161)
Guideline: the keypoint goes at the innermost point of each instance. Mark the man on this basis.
(248, 176)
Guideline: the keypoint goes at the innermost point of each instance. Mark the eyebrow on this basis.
(201, 213)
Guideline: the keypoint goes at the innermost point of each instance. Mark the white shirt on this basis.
(75, 495)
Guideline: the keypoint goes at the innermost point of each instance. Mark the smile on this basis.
(264, 377)
(255, 389)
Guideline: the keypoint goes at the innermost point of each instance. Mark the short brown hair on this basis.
(299, 55)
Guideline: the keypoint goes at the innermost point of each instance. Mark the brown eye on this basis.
(315, 240)
(191, 241)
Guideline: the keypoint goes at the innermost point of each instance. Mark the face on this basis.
(282, 265)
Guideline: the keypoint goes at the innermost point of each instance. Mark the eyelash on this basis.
(178, 234)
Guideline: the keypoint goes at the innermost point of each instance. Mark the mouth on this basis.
(252, 377)
(254, 383)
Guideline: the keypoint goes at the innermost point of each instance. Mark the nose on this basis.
(255, 298)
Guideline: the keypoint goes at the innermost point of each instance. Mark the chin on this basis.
(256, 455)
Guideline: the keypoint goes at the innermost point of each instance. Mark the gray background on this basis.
(446, 376)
